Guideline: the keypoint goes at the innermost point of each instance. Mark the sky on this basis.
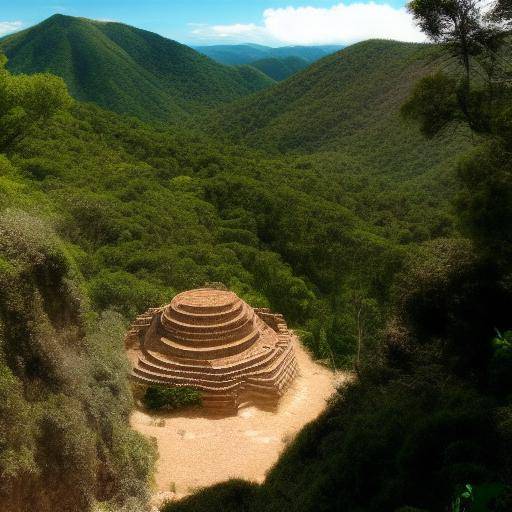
(201, 22)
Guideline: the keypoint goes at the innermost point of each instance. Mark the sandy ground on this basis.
(198, 450)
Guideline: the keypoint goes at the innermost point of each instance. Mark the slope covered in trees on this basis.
(349, 101)
(126, 69)
(280, 68)
(65, 399)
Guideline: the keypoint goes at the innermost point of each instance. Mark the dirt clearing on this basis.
(196, 450)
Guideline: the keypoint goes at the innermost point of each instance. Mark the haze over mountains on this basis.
(248, 53)
(278, 63)
(128, 70)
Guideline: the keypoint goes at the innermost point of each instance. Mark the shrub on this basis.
(161, 397)
(500, 372)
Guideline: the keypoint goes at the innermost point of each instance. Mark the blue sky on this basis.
(273, 22)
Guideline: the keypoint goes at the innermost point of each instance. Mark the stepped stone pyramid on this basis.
(212, 341)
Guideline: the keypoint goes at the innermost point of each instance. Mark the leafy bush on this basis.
(163, 397)
(500, 373)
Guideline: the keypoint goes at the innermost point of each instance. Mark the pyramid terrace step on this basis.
(179, 379)
(216, 352)
(203, 316)
(251, 367)
(198, 324)
(210, 339)
(270, 378)
(150, 378)
(193, 365)
(277, 387)
(206, 300)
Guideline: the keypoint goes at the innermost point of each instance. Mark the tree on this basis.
(475, 38)
(26, 101)
(459, 24)
(503, 11)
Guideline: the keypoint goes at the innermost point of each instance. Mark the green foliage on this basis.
(64, 435)
(65, 381)
(232, 496)
(162, 397)
(280, 68)
(500, 378)
(485, 199)
(463, 499)
(26, 101)
(125, 292)
(433, 103)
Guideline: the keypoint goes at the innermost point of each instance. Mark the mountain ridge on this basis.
(335, 98)
(126, 69)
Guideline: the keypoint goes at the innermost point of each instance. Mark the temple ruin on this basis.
(211, 340)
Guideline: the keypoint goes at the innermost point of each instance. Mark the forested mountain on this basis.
(280, 68)
(127, 70)
(345, 101)
(341, 118)
(248, 53)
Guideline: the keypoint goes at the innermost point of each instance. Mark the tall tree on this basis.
(27, 100)
(468, 32)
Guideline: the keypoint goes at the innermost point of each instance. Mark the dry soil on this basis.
(197, 450)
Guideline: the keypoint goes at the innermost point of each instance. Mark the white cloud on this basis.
(9, 26)
(341, 23)
(237, 32)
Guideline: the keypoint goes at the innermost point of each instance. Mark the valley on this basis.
(134, 168)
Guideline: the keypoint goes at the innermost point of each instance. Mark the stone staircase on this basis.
(139, 327)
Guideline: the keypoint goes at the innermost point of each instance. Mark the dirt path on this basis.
(197, 451)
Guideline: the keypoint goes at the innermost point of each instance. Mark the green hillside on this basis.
(126, 69)
(280, 68)
(340, 118)
(349, 100)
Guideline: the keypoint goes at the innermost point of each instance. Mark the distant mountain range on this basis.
(237, 54)
(128, 70)
(347, 101)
